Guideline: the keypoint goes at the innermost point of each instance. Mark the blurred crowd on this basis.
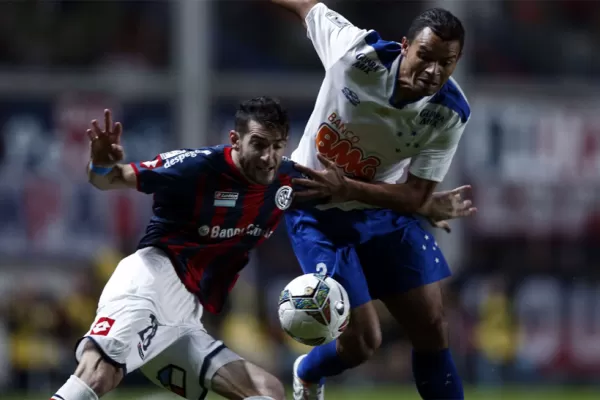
(521, 39)
(522, 305)
(38, 34)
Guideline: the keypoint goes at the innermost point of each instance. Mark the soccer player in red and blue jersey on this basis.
(211, 207)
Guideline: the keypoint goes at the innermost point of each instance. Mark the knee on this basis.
(358, 345)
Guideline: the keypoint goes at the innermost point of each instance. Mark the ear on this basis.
(404, 45)
(234, 139)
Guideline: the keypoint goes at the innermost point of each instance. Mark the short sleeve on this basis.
(332, 35)
(434, 161)
(169, 171)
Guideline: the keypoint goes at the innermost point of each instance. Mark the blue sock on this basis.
(322, 361)
(436, 376)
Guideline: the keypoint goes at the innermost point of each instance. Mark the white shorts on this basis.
(147, 319)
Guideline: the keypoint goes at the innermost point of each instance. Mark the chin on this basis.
(264, 179)
(428, 90)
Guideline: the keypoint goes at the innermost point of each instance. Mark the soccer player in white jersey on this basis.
(383, 107)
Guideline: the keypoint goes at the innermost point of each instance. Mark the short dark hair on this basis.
(442, 22)
(264, 110)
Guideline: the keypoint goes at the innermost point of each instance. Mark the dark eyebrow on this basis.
(264, 139)
(255, 136)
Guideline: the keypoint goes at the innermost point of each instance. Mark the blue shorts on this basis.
(372, 253)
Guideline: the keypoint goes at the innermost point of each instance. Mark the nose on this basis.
(432, 68)
(267, 154)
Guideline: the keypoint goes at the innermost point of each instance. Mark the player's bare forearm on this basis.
(406, 197)
(122, 176)
(298, 7)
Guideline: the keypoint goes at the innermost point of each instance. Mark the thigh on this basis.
(402, 259)
(319, 249)
(130, 325)
(188, 366)
(128, 334)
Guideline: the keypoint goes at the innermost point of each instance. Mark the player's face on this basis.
(428, 62)
(259, 152)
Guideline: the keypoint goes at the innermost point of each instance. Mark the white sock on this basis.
(259, 398)
(75, 389)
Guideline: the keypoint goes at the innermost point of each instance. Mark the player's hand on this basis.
(328, 183)
(443, 206)
(105, 145)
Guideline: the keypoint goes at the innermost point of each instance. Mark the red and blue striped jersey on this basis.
(207, 216)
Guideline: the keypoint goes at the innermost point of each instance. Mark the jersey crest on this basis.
(283, 197)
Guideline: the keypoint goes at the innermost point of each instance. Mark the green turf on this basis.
(378, 393)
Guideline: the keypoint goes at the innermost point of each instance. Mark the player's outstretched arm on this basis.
(330, 183)
(298, 7)
(407, 197)
(104, 170)
(120, 176)
(331, 34)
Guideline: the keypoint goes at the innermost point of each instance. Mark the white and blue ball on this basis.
(314, 309)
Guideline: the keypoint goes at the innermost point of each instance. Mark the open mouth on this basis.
(428, 82)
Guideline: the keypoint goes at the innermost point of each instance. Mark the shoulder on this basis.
(190, 156)
(385, 51)
(288, 168)
(368, 65)
(453, 98)
(371, 54)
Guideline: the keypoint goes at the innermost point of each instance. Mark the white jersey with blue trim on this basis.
(355, 122)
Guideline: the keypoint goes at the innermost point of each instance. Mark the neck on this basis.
(235, 156)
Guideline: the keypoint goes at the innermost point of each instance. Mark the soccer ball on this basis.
(314, 309)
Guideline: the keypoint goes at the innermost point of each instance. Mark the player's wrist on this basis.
(102, 169)
(425, 210)
(351, 189)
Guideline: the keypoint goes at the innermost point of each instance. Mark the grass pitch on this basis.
(375, 393)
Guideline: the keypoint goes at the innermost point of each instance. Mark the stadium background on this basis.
(524, 305)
